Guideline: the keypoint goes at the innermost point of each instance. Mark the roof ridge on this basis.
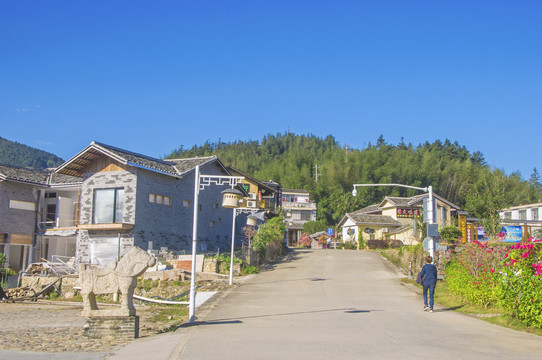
(110, 147)
(193, 158)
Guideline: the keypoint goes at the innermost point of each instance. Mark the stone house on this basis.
(129, 199)
(394, 218)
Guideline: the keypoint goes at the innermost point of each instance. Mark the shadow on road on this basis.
(212, 322)
(238, 320)
(449, 308)
(282, 281)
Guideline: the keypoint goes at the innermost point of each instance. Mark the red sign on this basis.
(408, 213)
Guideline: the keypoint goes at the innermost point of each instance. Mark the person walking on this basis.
(428, 274)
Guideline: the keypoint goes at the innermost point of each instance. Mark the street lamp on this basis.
(230, 199)
(430, 214)
(251, 221)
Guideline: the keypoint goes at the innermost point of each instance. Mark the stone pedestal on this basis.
(112, 327)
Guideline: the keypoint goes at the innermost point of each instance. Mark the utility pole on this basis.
(317, 175)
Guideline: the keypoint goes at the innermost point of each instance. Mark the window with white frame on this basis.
(534, 214)
(108, 206)
(523, 214)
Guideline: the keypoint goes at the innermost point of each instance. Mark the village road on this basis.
(336, 304)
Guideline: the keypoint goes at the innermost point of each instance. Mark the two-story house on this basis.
(262, 195)
(521, 220)
(394, 218)
(129, 199)
(33, 203)
(298, 209)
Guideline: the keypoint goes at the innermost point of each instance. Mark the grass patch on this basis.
(173, 315)
(493, 315)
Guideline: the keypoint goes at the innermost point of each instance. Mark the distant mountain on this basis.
(15, 154)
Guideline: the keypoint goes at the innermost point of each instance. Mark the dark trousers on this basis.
(2, 293)
(431, 288)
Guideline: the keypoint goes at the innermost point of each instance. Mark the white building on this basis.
(530, 212)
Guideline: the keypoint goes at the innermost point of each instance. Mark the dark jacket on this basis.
(430, 272)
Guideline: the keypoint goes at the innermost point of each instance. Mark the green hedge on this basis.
(508, 276)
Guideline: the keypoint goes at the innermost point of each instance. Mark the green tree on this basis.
(312, 227)
(450, 233)
(269, 241)
(289, 160)
(484, 201)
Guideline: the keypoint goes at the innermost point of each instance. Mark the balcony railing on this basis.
(60, 224)
(299, 205)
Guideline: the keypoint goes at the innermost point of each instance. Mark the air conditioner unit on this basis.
(252, 196)
(385, 230)
(252, 204)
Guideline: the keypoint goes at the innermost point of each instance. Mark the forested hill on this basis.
(15, 154)
(292, 160)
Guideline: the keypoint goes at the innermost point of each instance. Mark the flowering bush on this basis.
(522, 282)
(472, 274)
(510, 277)
(304, 241)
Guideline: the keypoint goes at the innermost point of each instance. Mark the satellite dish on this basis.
(426, 244)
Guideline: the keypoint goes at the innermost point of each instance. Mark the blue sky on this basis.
(150, 76)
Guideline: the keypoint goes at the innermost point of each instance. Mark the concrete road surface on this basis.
(338, 304)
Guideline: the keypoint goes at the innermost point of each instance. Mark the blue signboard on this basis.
(510, 233)
(330, 231)
(482, 235)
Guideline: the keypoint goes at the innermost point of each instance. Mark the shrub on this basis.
(304, 241)
(472, 274)
(450, 233)
(384, 244)
(250, 270)
(269, 241)
(522, 282)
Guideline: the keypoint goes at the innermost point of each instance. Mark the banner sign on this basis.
(510, 233)
(482, 235)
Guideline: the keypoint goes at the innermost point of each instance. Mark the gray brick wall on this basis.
(14, 221)
(163, 225)
(106, 180)
(171, 226)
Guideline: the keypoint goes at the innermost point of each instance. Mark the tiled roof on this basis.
(23, 175)
(182, 166)
(366, 219)
(368, 210)
(272, 184)
(61, 179)
(414, 200)
(399, 229)
(36, 177)
(131, 158)
(267, 189)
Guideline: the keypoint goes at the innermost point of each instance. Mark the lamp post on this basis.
(430, 214)
(250, 221)
(229, 200)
